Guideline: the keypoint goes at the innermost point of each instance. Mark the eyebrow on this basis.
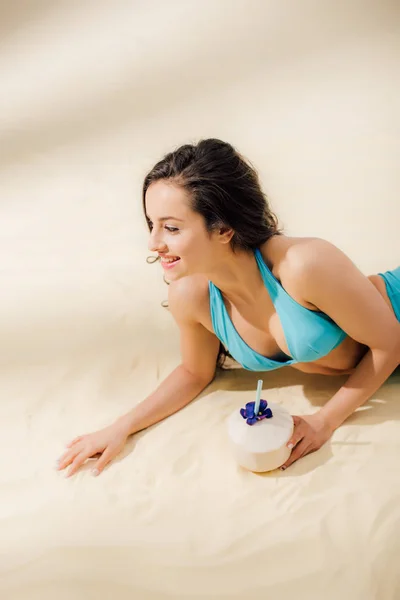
(167, 219)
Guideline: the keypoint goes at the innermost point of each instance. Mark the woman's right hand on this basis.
(107, 443)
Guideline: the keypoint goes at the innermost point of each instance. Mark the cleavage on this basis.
(260, 327)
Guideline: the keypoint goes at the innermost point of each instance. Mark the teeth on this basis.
(169, 260)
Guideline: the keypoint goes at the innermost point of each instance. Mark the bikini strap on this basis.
(270, 281)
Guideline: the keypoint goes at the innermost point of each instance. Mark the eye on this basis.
(171, 229)
(150, 224)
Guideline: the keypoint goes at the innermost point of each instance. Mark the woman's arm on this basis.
(331, 282)
(199, 351)
(173, 393)
(371, 372)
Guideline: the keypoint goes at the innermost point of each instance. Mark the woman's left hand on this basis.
(309, 434)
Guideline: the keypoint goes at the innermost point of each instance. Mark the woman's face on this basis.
(178, 234)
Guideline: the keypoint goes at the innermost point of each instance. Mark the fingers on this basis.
(298, 432)
(74, 441)
(70, 455)
(300, 450)
(74, 457)
(103, 461)
(67, 458)
(77, 462)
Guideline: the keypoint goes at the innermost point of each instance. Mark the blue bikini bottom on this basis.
(392, 281)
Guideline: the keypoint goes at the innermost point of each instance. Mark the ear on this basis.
(225, 234)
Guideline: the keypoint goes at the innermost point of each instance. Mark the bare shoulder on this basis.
(294, 256)
(296, 260)
(312, 253)
(188, 298)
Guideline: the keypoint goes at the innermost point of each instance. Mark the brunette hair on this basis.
(224, 188)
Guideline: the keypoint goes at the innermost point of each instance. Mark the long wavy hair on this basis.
(225, 189)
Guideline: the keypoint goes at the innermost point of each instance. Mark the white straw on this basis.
(257, 403)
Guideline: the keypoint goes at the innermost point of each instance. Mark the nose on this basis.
(156, 243)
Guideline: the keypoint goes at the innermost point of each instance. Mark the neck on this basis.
(237, 276)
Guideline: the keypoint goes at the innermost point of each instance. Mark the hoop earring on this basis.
(152, 259)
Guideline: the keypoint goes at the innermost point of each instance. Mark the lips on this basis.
(168, 262)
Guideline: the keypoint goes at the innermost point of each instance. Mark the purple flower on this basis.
(263, 413)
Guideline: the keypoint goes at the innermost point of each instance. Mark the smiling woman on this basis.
(223, 191)
(238, 284)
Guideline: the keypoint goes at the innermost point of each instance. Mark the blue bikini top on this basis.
(309, 334)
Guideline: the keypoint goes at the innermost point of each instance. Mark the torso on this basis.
(259, 325)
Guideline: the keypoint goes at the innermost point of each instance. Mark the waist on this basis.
(342, 360)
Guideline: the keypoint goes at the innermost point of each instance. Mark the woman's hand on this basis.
(107, 443)
(309, 434)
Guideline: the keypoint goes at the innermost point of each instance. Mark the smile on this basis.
(168, 262)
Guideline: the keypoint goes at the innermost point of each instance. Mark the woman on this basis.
(238, 283)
